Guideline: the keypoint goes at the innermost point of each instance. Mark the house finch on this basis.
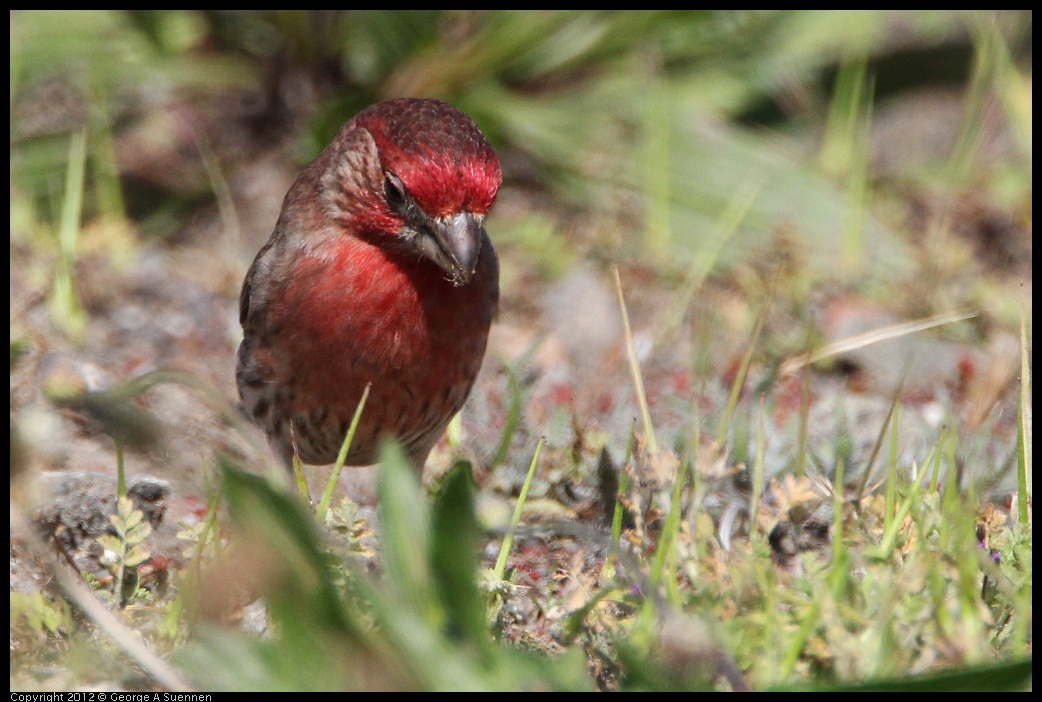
(379, 271)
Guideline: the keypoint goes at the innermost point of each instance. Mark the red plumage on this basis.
(379, 271)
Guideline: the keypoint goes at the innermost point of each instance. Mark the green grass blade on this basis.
(1006, 676)
(66, 311)
(1024, 465)
(508, 538)
(513, 418)
(327, 495)
(638, 380)
(740, 376)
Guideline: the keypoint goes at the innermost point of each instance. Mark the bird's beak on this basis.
(455, 245)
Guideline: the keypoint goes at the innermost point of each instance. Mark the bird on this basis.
(379, 273)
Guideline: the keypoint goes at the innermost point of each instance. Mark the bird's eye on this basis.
(394, 191)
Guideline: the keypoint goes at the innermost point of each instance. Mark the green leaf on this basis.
(306, 588)
(454, 557)
(138, 533)
(136, 556)
(131, 519)
(1005, 676)
(110, 543)
(405, 535)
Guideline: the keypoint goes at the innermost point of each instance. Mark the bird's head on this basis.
(418, 175)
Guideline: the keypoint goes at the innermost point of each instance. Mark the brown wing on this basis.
(247, 284)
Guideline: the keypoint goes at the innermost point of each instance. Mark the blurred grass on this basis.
(620, 114)
(65, 306)
(691, 143)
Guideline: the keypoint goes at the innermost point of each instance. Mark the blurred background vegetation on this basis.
(684, 139)
(880, 152)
